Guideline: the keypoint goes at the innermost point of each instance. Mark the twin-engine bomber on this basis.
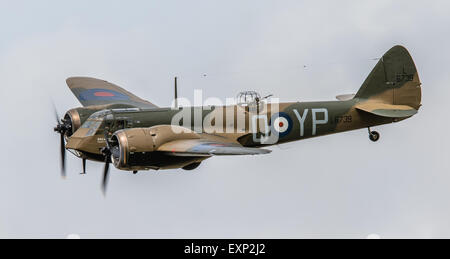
(115, 126)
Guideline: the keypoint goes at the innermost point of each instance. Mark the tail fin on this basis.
(394, 81)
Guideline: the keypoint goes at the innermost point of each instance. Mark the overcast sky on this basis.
(336, 186)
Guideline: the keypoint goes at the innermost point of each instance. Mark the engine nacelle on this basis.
(131, 148)
(134, 149)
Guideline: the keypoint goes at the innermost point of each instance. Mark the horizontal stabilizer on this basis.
(345, 97)
(387, 110)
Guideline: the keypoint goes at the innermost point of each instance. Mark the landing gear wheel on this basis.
(374, 136)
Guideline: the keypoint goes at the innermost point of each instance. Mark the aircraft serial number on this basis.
(343, 119)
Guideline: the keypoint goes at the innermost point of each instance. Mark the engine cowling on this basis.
(73, 119)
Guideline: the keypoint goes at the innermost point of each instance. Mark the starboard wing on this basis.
(92, 91)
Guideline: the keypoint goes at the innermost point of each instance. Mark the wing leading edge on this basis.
(203, 147)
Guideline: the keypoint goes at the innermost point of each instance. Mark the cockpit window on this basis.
(94, 122)
(100, 114)
(93, 125)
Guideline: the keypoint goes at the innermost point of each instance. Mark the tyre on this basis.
(374, 136)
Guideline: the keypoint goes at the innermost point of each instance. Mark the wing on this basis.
(91, 91)
(205, 147)
(387, 110)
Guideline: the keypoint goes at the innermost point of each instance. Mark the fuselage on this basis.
(256, 126)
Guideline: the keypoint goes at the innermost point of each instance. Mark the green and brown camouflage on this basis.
(141, 136)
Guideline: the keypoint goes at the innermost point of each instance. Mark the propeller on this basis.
(62, 127)
(106, 151)
(105, 175)
(65, 125)
(63, 155)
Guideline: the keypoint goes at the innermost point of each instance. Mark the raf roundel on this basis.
(281, 124)
(104, 94)
(99, 94)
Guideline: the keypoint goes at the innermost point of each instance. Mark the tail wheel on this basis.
(374, 136)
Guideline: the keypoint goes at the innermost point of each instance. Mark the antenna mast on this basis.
(176, 92)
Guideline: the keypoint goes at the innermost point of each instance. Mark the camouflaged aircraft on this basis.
(115, 126)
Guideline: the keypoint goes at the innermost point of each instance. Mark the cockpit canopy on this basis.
(93, 125)
(248, 98)
(95, 122)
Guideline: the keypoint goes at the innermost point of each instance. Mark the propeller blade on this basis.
(61, 128)
(63, 157)
(105, 175)
(55, 111)
(84, 166)
(107, 152)
(107, 140)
